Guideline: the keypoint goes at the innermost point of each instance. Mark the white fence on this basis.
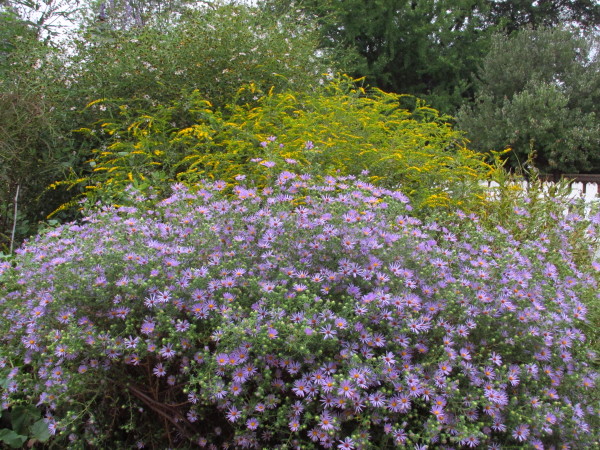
(589, 191)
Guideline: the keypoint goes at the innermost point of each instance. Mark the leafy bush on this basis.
(548, 100)
(214, 49)
(25, 425)
(300, 315)
(35, 143)
(527, 207)
(340, 129)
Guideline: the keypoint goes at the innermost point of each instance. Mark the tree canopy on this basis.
(426, 47)
(539, 90)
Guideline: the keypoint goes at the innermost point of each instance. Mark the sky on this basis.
(62, 16)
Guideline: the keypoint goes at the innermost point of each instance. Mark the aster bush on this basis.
(299, 315)
(530, 209)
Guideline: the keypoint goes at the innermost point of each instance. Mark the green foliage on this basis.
(35, 121)
(526, 206)
(397, 139)
(46, 19)
(425, 48)
(103, 15)
(12, 30)
(510, 194)
(539, 90)
(26, 424)
(214, 50)
(521, 14)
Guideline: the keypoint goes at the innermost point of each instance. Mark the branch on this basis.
(165, 411)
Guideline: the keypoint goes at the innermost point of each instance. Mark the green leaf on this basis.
(11, 438)
(39, 430)
(22, 416)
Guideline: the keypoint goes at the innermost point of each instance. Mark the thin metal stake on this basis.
(14, 228)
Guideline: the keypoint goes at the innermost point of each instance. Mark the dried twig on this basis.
(165, 411)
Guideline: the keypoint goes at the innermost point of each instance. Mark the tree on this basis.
(539, 90)
(12, 30)
(44, 91)
(421, 47)
(214, 50)
(428, 48)
(35, 124)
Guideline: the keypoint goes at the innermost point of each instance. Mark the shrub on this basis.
(300, 315)
(35, 121)
(527, 207)
(546, 101)
(340, 129)
(214, 49)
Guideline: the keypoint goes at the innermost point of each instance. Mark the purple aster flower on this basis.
(222, 359)
(31, 342)
(444, 368)
(551, 393)
(513, 378)
(537, 444)
(233, 414)
(326, 421)
(470, 441)
(521, 433)
(438, 412)
(297, 408)
(65, 315)
(346, 444)
(252, 423)
(389, 359)
(167, 351)
(328, 332)
(239, 376)
(182, 325)
(377, 399)
(159, 370)
(399, 403)
(346, 389)
(236, 389)
(400, 437)
(294, 424)
(300, 387)
(192, 416)
(496, 359)
(148, 327)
